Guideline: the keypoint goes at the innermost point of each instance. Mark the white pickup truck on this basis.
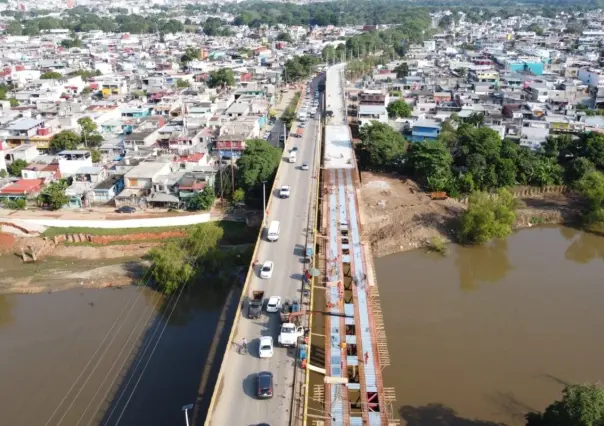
(290, 333)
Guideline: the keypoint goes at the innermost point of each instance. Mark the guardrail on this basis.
(244, 293)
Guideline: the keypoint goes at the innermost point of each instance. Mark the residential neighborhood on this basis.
(149, 120)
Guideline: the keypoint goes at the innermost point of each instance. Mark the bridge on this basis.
(323, 212)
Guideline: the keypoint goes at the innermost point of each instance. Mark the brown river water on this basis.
(485, 334)
(76, 357)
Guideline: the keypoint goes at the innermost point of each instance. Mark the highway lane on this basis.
(237, 404)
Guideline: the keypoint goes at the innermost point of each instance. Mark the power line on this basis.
(88, 363)
(150, 356)
(97, 364)
(146, 278)
(121, 366)
(166, 320)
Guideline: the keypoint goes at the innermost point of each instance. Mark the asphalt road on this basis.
(237, 404)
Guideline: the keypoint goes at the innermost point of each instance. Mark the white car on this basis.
(267, 269)
(285, 191)
(273, 304)
(265, 347)
(304, 166)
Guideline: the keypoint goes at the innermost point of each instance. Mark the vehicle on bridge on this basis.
(267, 269)
(292, 156)
(264, 381)
(289, 335)
(273, 231)
(265, 347)
(254, 307)
(285, 191)
(273, 304)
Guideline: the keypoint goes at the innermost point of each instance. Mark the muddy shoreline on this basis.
(398, 216)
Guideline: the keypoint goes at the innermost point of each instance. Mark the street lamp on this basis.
(264, 202)
(186, 408)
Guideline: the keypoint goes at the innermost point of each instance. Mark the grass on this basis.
(438, 245)
(234, 232)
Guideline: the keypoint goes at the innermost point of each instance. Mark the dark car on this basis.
(126, 209)
(265, 384)
(254, 309)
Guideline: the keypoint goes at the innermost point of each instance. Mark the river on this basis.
(68, 356)
(485, 334)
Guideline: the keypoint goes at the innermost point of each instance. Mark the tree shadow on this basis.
(164, 373)
(438, 415)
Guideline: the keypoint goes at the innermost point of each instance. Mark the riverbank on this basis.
(398, 216)
(56, 274)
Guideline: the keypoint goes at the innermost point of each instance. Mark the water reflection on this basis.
(438, 415)
(477, 265)
(584, 248)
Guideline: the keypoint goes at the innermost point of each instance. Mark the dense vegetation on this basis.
(581, 405)
(198, 258)
(471, 157)
(299, 67)
(257, 164)
(488, 216)
(82, 19)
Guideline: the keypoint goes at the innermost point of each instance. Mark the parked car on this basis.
(126, 209)
(304, 166)
(264, 381)
(265, 347)
(267, 269)
(273, 304)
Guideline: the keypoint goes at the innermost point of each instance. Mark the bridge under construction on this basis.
(349, 390)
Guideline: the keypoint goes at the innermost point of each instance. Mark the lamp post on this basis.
(264, 202)
(186, 408)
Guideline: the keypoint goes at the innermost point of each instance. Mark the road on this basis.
(237, 405)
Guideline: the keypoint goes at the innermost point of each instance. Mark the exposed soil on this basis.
(55, 274)
(399, 216)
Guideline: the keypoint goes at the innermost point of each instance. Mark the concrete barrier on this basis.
(112, 224)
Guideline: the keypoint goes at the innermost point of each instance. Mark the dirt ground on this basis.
(399, 216)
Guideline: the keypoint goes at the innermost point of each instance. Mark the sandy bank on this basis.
(398, 216)
(59, 274)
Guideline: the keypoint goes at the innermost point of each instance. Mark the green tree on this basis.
(96, 156)
(53, 195)
(65, 139)
(238, 196)
(69, 43)
(202, 240)
(51, 75)
(14, 28)
(180, 83)
(284, 36)
(488, 216)
(13, 102)
(170, 267)
(578, 168)
(402, 70)
(14, 169)
(399, 108)
(87, 126)
(257, 164)
(591, 187)
(382, 147)
(221, 78)
(203, 200)
(581, 405)
(430, 163)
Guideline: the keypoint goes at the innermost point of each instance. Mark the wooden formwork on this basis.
(380, 331)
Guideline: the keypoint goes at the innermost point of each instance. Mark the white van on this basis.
(273, 231)
(292, 157)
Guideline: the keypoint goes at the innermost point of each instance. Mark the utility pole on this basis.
(264, 202)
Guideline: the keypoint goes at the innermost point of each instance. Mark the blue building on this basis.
(533, 67)
(425, 130)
